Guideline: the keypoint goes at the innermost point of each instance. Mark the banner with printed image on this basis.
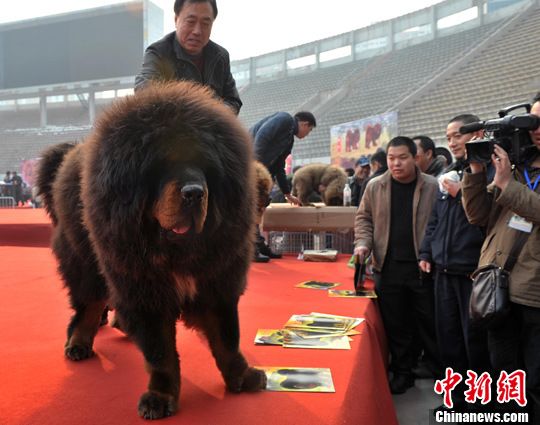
(351, 140)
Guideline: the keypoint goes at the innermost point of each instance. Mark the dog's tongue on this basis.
(180, 230)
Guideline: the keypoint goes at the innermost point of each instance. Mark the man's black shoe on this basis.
(401, 383)
(259, 258)
(265, 250)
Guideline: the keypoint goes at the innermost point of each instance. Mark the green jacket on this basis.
(488, 206)
(372, 222)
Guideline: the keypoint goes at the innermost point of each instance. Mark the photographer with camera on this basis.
(450, 250)
(509, 206)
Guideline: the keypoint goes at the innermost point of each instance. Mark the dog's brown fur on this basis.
(328, 180)
(264, 184)
(155, 212)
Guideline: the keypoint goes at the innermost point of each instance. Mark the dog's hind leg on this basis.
(155, 334)
(88, 295)
(221, 327)
(83, 328)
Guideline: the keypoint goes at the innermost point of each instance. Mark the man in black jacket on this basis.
(362, 168)
(453, 245)
(378, 167)
(273, 139)
(189, 54)
(426, 159)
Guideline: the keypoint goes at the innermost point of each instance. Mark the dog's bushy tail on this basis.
(50, 161)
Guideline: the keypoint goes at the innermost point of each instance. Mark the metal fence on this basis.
(296, 242)
(7, 202)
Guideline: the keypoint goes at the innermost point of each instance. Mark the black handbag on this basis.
(489, 304)
(359, 277)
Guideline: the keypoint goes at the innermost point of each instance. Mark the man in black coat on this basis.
(189, 54)
(451, 248)
(362, 168)
(273, 139)
(378, 167)
(426, 158)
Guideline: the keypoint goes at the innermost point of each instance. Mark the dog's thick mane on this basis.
(143, 135)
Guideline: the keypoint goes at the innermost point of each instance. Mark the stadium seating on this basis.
(502, 74)
(473, 69)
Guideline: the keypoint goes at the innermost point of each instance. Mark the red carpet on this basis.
(39, 386)
(24, 227)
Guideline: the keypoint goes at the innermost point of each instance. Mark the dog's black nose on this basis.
(192, 195)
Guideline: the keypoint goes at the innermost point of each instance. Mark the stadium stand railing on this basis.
(500, 73)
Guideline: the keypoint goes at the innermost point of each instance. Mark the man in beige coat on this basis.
(390, 224)
(507, 207)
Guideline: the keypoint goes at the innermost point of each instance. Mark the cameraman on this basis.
(513, 200)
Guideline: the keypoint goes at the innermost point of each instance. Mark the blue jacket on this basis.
(450, 241)
(273, 139)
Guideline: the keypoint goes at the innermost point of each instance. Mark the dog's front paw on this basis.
(253, 380)
(155, 405)
(78, 351)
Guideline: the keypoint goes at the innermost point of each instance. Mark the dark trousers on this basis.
(406, 304)
(259, 239)
(462, 346)
(516, 345)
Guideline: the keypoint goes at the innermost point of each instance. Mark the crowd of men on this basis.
(426, 236)
(12, 187)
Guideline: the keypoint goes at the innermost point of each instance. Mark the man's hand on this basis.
(361, 253)
(451, 187)
(476, 167)
(293, 200)
(425, 266)
(503, 168)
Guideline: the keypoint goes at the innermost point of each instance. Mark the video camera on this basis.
(511, 132)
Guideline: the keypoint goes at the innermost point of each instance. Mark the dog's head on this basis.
(182, 205)
(172, 159)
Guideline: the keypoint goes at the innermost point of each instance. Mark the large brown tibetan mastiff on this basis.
(154, 213)
(328, 180)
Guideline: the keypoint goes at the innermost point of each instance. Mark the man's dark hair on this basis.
(426, 144)
(306, 116)
(178, 4)
(441, 150)
(465, 118)
(379, 157)
(536, 98)
(402, 141)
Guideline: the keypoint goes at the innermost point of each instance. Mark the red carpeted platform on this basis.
(39, 386)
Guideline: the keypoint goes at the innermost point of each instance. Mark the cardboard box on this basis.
(319, 255)
(289, 218)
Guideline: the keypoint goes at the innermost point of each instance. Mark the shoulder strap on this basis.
(516, 249)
